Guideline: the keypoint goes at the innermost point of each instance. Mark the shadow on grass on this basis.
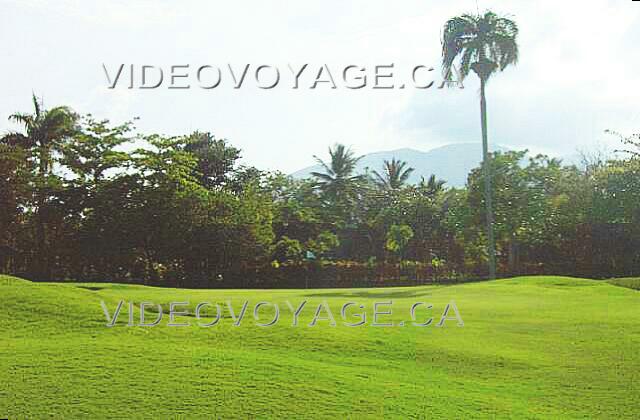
(92, 288)
(628, 282)
(399, 294)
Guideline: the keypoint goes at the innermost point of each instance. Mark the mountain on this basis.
(451, 163)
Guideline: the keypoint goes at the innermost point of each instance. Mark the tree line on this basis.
(84, 199)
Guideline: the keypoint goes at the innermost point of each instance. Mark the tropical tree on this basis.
(45, 132)
(339, 183)
(632, 141)
(15, 180)
(482, 43)
(398, 238)
(216, 158)
(431, 187)
(394, 175)
(93, 150)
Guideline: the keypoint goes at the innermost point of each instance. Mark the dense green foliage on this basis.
(544, 347)
(87, 200)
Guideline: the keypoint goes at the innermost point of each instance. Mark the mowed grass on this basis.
(630, 282)
(530, 347)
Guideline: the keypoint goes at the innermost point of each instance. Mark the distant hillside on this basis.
(451, 162)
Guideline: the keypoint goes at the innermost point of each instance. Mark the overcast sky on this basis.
(577, 75)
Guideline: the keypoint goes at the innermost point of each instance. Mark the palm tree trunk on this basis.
(486, 165)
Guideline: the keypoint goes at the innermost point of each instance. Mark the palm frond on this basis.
(481, 43)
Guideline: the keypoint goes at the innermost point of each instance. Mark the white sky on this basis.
(577, 76)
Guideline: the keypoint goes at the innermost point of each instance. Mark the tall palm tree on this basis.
(44, 133)
(338, 182)
(395, 174)
(482, 43)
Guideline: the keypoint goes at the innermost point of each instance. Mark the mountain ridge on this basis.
(451, 162)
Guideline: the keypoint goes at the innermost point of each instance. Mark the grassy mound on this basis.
(629, 282)
(530, 347)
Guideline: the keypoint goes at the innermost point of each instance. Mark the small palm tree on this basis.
(431, 187)
(339, 182)
(484, 44)
(395, 174)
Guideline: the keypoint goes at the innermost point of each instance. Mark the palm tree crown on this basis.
(431, 187)
(43, 131)
(338, 181)
(483, 43)
(395, 174)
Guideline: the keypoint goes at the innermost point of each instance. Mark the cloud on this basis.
(575, 79)
(577, 75)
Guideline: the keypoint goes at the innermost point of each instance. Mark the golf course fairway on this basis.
(530, 347)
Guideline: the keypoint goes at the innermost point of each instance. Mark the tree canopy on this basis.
(82, 198)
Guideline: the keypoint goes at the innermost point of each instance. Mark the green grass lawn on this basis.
(630, 282)
(530, 347)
